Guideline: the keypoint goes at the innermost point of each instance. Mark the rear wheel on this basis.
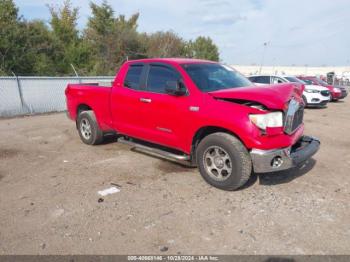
(89, 131)
(223, 161)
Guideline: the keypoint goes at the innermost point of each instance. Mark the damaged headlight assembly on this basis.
(269, 120)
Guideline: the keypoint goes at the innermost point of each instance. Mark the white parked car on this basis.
(313, 95)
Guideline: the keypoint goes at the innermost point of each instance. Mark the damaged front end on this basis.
(279, 120)
(265, 161)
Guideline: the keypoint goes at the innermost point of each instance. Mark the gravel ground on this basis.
(49, 203)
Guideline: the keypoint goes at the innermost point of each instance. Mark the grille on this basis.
(298, 118)
(325, 93)
(294, 116)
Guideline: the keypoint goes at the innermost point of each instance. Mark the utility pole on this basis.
(273, 66)
(263, 57)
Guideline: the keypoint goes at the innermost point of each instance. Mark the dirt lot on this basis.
(49, 203)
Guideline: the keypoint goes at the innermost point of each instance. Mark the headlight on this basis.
(336, 90)
(274, 119)
(311, 91)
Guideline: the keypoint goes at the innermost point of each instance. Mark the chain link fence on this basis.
(33, 95)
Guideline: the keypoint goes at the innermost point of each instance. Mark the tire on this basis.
(215, 152)
(305, 101)
(332, 99)
(89, 131)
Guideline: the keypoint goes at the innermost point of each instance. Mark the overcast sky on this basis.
(309, 32)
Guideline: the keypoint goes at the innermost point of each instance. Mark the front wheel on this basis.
(223, 161)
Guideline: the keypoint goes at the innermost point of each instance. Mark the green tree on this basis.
(68, 46)
(111, 39)
(34, 48)
(164, 44)
(129, 45)
(63, 22)
(203, 48)
(11, 38)
(38, 48)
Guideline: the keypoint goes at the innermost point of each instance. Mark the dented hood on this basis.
(271, 96)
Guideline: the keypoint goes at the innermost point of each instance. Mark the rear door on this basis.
(125, 100)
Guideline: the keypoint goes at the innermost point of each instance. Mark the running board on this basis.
(155, 151)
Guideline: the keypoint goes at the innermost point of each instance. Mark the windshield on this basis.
(294, 79)
(307, 81)
(321, 82)
(211, 77)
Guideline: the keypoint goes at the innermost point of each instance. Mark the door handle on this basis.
(145, 100)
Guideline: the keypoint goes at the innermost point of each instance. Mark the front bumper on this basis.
(322, 103)
(265, 161)
(336, 95)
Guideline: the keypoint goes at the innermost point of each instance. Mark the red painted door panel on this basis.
(165, 117)
(125, 110)
(161, 113)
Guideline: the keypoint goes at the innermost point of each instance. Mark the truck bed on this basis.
(91, 95)
(106, 84)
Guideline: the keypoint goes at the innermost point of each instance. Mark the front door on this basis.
(163, 116)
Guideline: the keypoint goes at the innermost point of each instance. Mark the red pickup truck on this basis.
(200, 112)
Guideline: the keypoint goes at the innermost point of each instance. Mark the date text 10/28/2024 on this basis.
(173, 258)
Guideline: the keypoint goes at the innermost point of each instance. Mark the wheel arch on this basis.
(80, 108)
(83, 107)
(205, 131)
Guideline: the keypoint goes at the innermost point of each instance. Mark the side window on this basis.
(262, 79)
(280, 80)
(133, 77)
(252, 79)
(277, 80)
(158, 77)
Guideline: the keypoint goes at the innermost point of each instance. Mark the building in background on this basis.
(342, 73)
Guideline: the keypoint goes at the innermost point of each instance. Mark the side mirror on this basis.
(175, 88)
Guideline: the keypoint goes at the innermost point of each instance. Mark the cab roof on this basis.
(171, 60)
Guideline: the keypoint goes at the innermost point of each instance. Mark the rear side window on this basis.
(262, 79)
(158, 77)
(133, 77)
(252, 78)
